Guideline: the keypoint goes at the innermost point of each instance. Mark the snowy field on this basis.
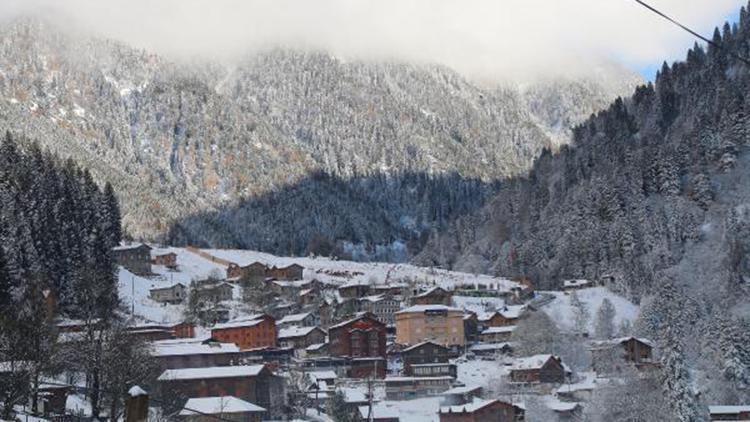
(561, 311)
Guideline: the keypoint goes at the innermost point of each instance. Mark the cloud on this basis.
(487, 39)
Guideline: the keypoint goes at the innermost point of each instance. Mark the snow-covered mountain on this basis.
(200, 147)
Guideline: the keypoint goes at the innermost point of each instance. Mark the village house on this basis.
(482, 410)
(384, 307)
(425, 352)
(408, 388)
(433, 370)
(538, 369)
(192, 353)
(497, 334)
(326, 313)
(255, 384)
(227, 408)
(173, 294)
(434, 296)
(437, 323)
(508, 315)
(291, 272)
(134, 258)
(354, 290)
(363, 340)
(254, 272)
(361, 336)
(300, 338)
(607, 354)
(729, 413)
(570, 285)
(217, 292)
(252, 332)
(490, 350)
(396, 289)
(306, 319)
(461, 395)
(522, 291)
(168, 260)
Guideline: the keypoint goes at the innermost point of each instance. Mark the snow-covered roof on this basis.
(211, 372)
(315, 347)
(467, 408)
(621, 340)
(181, 349)
(728, 410)
(248, 321)
(464, 389)
(555, 404)
(359, 315)
(576, 283)
(427, 308)
(431, 291)
(129, 247)
(353, 395)
(292, 332)
(587, 384)
(158, 289)
(289, 319)
(217, 405)
(418, 345)
(531, 362)
(379, 411)
(499, 330)
(322, 375)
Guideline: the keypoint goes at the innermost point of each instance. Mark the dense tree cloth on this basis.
(57, 231)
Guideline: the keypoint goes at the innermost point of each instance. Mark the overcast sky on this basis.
(486, 39)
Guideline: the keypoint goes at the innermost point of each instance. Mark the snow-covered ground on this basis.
(561, 311)
(134, 290)
(340, 272)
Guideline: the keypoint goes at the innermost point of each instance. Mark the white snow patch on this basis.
(562, 313)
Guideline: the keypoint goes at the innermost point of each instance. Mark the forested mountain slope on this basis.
(189, 145)
(644, 187)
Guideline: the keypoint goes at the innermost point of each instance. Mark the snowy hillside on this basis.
(134, 290)
(561, 311)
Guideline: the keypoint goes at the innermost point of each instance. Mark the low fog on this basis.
(483, 39)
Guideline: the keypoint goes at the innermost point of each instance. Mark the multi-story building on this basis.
(134, 258)
(251, 332)
(440, 324)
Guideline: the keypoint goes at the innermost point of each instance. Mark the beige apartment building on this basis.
(437, 323)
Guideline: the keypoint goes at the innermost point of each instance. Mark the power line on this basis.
(691, 32)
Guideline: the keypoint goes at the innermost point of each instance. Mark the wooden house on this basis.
(481, 411)
(173, 294)
(354, 290)
(252, 332)
(446, 369)
(407, 388)
(729, 413)
(378, 413)
(359, 337)
(134, 258)
(538, 369)
(301, 337)
(607, 354)
(168, 260)
(289, 273)
(306, 319)
(193, 353)
(384, 307)
(226, 408)
(497, 334)
(434, 296)
(253, 272)
(217, 292)
(253, 383)
(506, 316)
(424, 353)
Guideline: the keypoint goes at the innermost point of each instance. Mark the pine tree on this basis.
(580, 312)
(605, 315)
